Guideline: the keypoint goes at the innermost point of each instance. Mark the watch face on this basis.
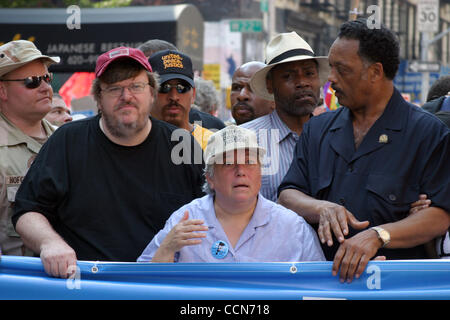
(384, 235)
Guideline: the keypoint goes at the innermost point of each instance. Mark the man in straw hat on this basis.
(102, 186)
(292, 78)
(233, 222)
(357, 170)
(25, 99)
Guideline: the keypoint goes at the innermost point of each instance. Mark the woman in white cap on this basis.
(233, 222)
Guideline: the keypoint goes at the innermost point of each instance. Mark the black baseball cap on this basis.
(171, 64)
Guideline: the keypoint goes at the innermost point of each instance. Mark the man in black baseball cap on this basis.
(176, 92)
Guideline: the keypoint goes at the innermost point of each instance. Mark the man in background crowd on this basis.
(176, 92)
(206, 97)
(292, 78)
(438, 99)
(208, 121)
(60, 113)
(245, 104)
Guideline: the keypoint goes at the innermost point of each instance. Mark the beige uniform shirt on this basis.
(17, 152)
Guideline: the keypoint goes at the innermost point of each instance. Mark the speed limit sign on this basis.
(428, 15)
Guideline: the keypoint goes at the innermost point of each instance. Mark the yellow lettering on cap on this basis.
(173, 61)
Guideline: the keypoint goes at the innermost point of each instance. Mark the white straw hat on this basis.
(286, 47)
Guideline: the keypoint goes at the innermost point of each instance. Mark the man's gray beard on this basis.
(120, 130)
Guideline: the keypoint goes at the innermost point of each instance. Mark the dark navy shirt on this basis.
(405, 153)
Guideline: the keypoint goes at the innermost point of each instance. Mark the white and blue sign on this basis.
(411, 82)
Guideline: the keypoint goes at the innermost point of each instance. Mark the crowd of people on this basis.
(156, 177)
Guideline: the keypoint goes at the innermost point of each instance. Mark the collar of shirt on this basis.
(382, 132)
(10, 135)
(261, 216)
(284, 130)
(390, 119)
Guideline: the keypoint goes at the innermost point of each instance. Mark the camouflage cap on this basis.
(15, 54)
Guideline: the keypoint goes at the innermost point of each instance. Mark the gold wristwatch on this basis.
(383, 235)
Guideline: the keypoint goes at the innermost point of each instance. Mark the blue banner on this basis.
(25, 278)
(411, 82)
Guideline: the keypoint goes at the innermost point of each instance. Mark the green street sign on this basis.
(248, 25)
(264, 5)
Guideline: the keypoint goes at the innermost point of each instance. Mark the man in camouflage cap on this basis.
(25, 99)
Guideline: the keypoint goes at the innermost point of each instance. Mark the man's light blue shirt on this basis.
(274, 234)
(279, 141)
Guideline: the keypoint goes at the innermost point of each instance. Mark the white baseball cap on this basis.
(229, 139)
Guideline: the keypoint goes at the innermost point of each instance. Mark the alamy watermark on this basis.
(374, 20)
(73, 282)
(74, 19)
(374, 280)
(184, 152)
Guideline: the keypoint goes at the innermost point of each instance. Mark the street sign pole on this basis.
(272, 19)
(427, 21)
(424, 55)
(269, 19)
(425, 75)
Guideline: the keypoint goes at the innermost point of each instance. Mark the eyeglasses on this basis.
(34, 81)
(166, 87)
(134, 88)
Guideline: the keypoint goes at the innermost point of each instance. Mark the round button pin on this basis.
(219, 249)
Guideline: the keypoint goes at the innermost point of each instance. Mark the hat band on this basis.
(292, 53)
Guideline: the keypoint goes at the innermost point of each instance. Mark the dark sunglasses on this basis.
(34, 81)
(166, 87)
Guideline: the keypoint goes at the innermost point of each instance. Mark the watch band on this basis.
(383, 235)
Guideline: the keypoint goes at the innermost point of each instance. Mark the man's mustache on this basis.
(306, 93)
(126, 104)
(336, 89)
(173, 104)
(243, 105)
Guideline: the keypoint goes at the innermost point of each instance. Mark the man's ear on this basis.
(3, 92)
(272, 105)
(99, 106)
(376, 72)
(193, 95)
(209, 180)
